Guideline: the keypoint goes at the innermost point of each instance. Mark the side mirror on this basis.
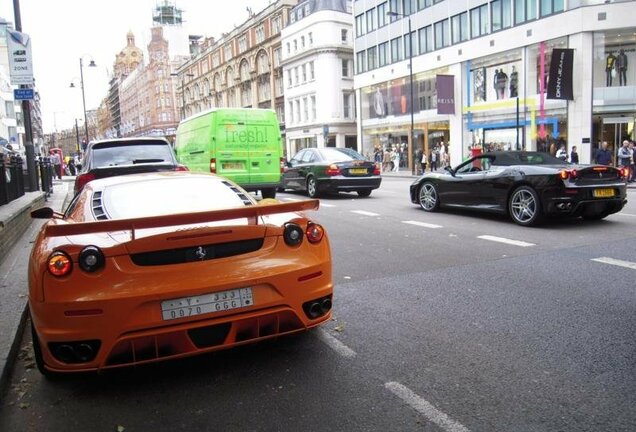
(42, 213)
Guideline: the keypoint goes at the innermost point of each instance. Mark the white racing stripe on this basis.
(335, 344)
(425, 408)
(612, 261)
(506, 241)
(422, 224)
(364, 213)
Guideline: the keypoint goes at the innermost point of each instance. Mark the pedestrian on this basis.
(56, 161)
(418, 156)
(574, 156)
(396, 160)
(434, 157)
(632, 173)
(562, 153)
(603, 156)
(624, 155)
(423, 162)
(386, 160)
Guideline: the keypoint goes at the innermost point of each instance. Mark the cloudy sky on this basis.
(62, 31)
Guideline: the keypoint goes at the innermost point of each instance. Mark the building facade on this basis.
(241, 69)
(499, 55)
(317, 59)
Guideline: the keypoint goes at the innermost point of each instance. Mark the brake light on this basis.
(314, 233)
(59, 264)
(213, 165)
(376, 170)
(82, 179)
(599, 169)
(565, 174)
(182, 168)
(623, 172)
(333, 170)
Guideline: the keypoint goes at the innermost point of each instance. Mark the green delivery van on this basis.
(242, 144)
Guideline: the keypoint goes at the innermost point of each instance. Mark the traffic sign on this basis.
(23, 94)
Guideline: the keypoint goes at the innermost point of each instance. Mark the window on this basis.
(425, 39)
(311, 70)
(345, 68)
(407, 45)
(346, 105)
(305, 110)
(501, 12)
(370, 20)
(216, 59)
(381, 14)
(383, 54)
(408, 7)
(291, 112)
(421, 4)
(313, 107)
(296, 81)
(525, 10)
(396, 50)
(260, 33)
(459, 28)
(302, 41)
(277, 24)
(295, 45)
(243, 44)
(277, 57)
(297, 110)
(227, 51)
(304, 70)
(549, 7)
(479, 21)
(360, 62)
(343, 36)
(288, 48)
(441, 34)
(311, 38)
(359, 25)
(394, 6)
(372, 61)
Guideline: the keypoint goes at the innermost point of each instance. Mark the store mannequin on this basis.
(501, 81)
(621, 67)
(494, 82)
(514, 82)
(610, 63)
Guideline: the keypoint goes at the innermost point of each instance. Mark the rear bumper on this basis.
(581, 201)
(345, 184)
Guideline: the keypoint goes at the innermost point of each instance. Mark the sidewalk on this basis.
(14, 269)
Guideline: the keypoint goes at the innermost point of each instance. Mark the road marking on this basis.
(290, 199)
(322, 204)
(624, 214)
(364, 213)
(506, 241)
(612, 261)
(335, 344)
(422, 224)
(425, 408)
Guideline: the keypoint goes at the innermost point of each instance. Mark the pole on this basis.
(83, 99)
(517, 128)
(29, 149)
(412, 141)
(79, 151)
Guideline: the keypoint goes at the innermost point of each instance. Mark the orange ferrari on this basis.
(159, 266)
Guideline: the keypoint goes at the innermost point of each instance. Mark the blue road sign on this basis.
(23, 94)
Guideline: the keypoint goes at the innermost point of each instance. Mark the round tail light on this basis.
(91, 259)
(59, 264)
(314, 233)
(293, 234)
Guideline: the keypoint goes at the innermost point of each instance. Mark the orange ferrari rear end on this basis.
(159, 266)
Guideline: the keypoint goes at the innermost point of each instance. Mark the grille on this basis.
(196, 253)
(98, 206)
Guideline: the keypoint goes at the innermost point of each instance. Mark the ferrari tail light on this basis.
(376, 170)
(59, 264)
(82, 179)
(91, 259)
(182, 168)
(293, 234)
(571, 174)
(314, 233)
(623, 172)
(213, 165)
(333, 170)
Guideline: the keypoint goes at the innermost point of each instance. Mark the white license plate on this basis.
(206, 303)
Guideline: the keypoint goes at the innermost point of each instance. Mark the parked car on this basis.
(158, 266)
(525, 185)
(331, 170)
(120, 156)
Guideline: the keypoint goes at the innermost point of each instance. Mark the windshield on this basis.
(117, 154)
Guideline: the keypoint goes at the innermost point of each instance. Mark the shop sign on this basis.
(560, 81)
(445, 94)
(20, 62)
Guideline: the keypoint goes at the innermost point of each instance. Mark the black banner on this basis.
(560, 81)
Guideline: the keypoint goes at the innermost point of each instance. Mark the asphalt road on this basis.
(443, 322)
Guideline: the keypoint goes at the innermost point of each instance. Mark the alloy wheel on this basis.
(311, 187)
(428, 197)
(523, 206)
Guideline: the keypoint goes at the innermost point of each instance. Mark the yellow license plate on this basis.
(233, 166)
(358, 171)
(603, 193)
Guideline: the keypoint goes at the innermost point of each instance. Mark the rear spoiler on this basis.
(178, 219)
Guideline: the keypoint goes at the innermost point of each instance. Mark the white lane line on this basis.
(290, 199)
(624, 214)
(506, 241)
(364, 213)
(322, 204)
(425, 408)
(335, 344)
(612, 261)
(422, 224)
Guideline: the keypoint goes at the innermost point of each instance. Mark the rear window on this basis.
(171, 195)
(340, 154)
(117, 154)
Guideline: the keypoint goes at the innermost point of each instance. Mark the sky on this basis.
(63, 31)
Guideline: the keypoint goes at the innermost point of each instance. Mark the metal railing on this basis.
(14, 178)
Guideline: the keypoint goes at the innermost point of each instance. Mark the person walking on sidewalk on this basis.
(396, 160)
(574, 156)
(386, 161)
(603, 156)
(434, 159)
(56, 161)
(624, 156)
(423, 162)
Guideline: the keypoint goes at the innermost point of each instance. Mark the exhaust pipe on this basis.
(325, 306)
(315, 310)
(65, 353)
(84, 352)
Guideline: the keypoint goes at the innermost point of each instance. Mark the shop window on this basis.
(459, 27)
(396, 50)
(614, 61)
(525, 10)
(479, 21)
(501, 11)
(425, 39)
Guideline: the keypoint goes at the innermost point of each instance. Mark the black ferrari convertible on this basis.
(527, 186)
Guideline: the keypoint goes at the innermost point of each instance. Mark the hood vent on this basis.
(238, 192)
(98, 207)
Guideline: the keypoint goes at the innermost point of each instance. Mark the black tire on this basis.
(428, 197)
(268, 193)
(39, 359)
(364, 193)
(312, 187)
(524, 207)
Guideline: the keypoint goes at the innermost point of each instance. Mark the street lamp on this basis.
(91, 64)
(190, 75)
(412, 132)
